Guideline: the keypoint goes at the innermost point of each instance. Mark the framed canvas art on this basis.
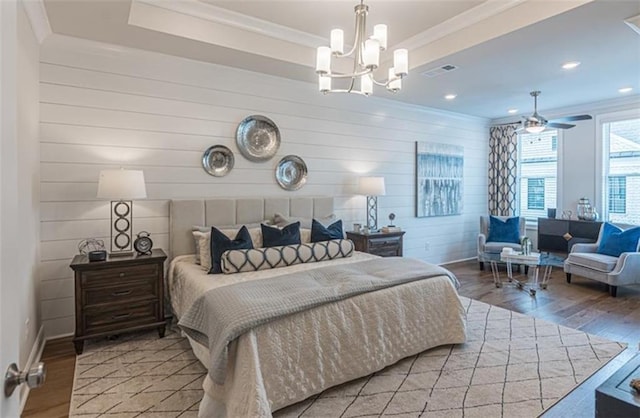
(439, 179)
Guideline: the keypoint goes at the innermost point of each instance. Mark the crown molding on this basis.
(201, 10)
(37, 14)
(463, 20)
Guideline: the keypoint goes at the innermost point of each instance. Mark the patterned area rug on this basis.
(512, 365)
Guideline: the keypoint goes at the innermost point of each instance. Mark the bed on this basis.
(293, 357)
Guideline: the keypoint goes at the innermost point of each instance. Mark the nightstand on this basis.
(117, 295)
(379, 243)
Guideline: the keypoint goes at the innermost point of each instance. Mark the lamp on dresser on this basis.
(372, 187)
(123, 186)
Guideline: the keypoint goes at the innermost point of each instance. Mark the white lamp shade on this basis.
(371, 186)
(121, 184)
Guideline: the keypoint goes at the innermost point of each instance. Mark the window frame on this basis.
(602, 155)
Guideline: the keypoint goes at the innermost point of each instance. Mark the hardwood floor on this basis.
(584, 304)
(52, 399)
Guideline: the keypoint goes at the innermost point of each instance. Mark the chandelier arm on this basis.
(357, 41)
(345, 91)
(354, 75)
(386, 82)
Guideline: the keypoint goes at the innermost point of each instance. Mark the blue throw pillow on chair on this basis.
(504, 231)
(615, 241)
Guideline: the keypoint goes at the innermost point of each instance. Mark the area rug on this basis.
(512, 365)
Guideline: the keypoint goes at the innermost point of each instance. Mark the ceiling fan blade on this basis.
(559, 125)
(573, 118)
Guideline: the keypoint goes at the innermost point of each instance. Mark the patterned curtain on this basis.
(503, 170)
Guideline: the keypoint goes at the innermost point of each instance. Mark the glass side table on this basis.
(540, 265)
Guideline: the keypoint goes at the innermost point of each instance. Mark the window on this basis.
(537, 171)
(622, 170)
(535, 193)
(617, 194)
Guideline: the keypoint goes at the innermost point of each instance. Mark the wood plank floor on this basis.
(582, 305)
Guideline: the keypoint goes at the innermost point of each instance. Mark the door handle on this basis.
(13, 378)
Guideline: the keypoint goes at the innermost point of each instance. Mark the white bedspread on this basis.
(290, 359)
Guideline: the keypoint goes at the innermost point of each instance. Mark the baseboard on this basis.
(34, 356)
(459, 261)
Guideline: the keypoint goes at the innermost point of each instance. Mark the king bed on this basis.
(301, 353)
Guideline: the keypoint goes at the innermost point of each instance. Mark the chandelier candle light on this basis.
(366, 59)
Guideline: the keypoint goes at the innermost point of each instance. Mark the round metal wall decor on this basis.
(291, 172)
(218, 160)
(258, 138)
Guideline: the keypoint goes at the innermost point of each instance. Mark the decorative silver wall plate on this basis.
(258, 138)
(291, 172)
(218, 160)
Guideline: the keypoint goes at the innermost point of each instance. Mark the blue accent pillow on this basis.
(276, 237)
(615, 241)
(221, 243)
(320, 232)
(504, 231)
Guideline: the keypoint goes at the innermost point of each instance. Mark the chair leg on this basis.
(568, 277)
(481, 265)
(613, 291)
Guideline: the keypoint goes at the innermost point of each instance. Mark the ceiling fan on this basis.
(536, 123)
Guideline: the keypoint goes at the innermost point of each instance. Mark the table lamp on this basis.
(123, 186)
(372, 187)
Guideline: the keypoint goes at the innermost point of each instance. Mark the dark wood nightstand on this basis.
(379, 243)
(117, 295)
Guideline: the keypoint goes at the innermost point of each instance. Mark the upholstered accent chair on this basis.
(585, 261)
(495, 247)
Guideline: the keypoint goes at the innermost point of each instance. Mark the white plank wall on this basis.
(104, 106)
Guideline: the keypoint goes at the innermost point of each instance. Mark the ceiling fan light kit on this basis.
(536, 123)
(366, 59)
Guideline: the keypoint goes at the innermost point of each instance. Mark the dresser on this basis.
(559, 235)
(118, 295)
(387, 244)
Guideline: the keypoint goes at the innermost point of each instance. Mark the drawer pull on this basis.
(121, 293)
(120, 316)
(121, 274)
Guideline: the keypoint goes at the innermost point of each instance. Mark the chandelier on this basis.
(366, 59)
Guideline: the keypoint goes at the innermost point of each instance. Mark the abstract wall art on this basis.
(439, 179)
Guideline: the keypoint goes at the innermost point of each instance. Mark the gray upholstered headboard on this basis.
(184, 214)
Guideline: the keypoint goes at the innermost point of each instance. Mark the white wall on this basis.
(28, 181)
(104, 106)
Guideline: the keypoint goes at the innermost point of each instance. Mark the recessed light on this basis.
(450, 96)
(570, 65)
(512, 111)
(625, 89)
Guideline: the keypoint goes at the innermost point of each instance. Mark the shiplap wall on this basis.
(105, 106)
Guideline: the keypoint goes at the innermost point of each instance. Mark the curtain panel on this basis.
(503, 170)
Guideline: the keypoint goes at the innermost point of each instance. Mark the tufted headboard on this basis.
(184, 214)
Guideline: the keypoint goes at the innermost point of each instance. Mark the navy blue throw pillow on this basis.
(504, 231)
(320, 232)
(275, 237)
(221, 243)
(614, 241)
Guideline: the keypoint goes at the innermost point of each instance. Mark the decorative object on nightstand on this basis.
(371, 187)
(143, 243)
(93, 248)
(118, 295)
(378, 243)
(123, 185)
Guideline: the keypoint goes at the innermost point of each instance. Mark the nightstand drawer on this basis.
(381, 243)
(139, 289)
(100, 277)
(120, 316)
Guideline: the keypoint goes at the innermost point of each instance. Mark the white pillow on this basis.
(282, 220)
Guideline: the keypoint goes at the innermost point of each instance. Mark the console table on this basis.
(559, 235)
